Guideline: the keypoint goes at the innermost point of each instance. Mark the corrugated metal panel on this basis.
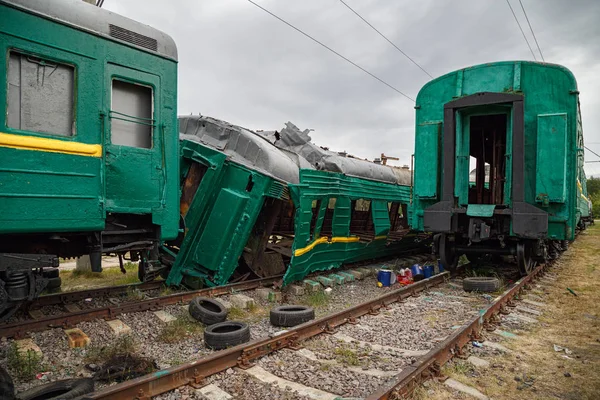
(132, 37)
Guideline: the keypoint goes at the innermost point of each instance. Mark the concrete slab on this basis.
(528, 310)
(524, 318)
(213, 392)
(306, 353)
(534, 303)
(312, 286)
(337, 279)
(26, 345)
(119, 327)
(326, 282)
(478, 362)
(455, 285)
(461, 387)
(36, 314)
(267, 377)
(533, 297)
(357, 274)
(268, 294)
(496, 346)
(366, 271)
(378, 347)
(504, 334)
(164, 316)
(77, 338)
(72, 307)
(346, 275)
(242, 301)
(296, 290)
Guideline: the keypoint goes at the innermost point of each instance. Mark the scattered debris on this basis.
(558, 348)
(572, 292)
(123, 367)
(477, 344)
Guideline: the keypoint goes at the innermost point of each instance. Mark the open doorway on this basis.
(487, 152)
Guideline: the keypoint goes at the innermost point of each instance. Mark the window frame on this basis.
(42, 54)
(153, 119)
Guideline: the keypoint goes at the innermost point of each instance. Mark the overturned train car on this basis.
(258, 205)
(518, 125)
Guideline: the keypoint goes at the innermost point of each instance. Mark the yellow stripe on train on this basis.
(321, 240)
(49, 145)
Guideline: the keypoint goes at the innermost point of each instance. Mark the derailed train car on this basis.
(262, 205)
(519, 124)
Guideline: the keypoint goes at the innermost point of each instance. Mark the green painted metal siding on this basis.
(312, 253)
(548, 90)
(50, 191)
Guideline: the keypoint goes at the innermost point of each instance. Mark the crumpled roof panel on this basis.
(242, 146)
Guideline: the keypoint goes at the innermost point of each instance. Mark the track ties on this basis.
(267, 377)
(308, 354)
(379, 347)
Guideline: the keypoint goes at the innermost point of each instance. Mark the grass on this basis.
(134, 294)
(112, 276)
(24, 365)
(122, 346)
(254, 313)
(346, 356)
(184, 327)
(569, 321)
(316, 299)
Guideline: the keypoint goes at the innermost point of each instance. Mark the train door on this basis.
(133, 141)
(481, 150)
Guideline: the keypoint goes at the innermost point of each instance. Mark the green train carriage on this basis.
(88, 141)
(518, 125)
(263, 205)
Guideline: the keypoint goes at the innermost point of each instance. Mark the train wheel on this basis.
(447, 255)
(524, 259)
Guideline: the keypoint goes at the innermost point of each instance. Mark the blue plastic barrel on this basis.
(384, 276)
(440, 266)
(427, 271)
(416, 270)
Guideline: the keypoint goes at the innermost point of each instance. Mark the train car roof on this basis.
(95, 20)
(291, 138)
(242, 146)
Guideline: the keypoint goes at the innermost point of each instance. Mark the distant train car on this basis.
(518, 125)
(254, 208)
(88, 141)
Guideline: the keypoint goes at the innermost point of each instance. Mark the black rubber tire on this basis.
(53, 283)
(226, 334)
(63, 390)
(208, 311)
(50, 272)
(291, 315)
(7, 388)
(481, 284)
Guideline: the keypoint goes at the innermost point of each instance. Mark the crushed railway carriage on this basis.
(518, 125)
(88, 140)
(251, 208)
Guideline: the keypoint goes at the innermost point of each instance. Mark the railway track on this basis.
(253, 358)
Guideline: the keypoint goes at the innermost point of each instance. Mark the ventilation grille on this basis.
(279, 191)
(131, 37)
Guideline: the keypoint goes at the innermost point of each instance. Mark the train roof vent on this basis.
(132, 37)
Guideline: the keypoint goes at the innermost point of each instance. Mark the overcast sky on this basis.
(239, 64)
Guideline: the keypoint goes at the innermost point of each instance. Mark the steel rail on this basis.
(195, 372)
(429, 364)
(20, 329)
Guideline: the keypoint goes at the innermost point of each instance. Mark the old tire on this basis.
(208, 311)
(7, 388)
(63, 390)
(53, 283)
(226, 334)
(481, 284)
(291, 315)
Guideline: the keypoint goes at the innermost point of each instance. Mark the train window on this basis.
(40, 95)
(131, 114)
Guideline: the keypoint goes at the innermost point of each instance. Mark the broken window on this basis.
(40, 95)
(131, 115)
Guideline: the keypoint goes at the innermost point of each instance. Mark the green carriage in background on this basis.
(260, 205)
(518, 126)
(88, 141)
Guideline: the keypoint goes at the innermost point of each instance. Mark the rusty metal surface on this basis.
(19, 329)
(242, 355)
(429, 365)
